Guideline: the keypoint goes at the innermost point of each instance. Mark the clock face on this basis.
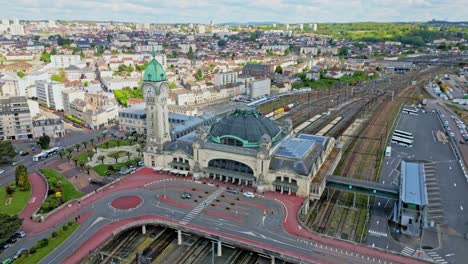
(148, 90)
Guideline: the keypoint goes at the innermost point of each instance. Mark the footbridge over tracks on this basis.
(364, 187)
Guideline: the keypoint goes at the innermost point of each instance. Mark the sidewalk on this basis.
(39, 192)
(135, 181)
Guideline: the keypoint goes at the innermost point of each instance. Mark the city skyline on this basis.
(224, 11)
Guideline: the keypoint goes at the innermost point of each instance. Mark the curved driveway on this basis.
(261, 222)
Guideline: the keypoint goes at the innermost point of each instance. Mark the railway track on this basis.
(360, 166)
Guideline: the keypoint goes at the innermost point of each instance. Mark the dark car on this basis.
(4, 245)
(24, 153)
(12, 240)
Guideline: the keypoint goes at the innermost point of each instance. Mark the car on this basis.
(141, 163)
(20, 234)
(24, 153)
(76, 125)
(186, 195)
(19, 253)
(4, 245)
(249, 194)
(233, 191)
(12, 240)
(2, 171)
(7, 261)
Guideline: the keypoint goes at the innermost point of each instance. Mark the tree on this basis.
(107, 144)
(92, 140)
(129, 155)
(118, 141)
(279, 69)
(77, 147)
(139, 150)
(95, 147)
(45, 57)
(86, 83)
(44, 142)
(8, 226)
(21, 178)
(81, 164)
(90, 154)
(85, 143)
(61, 154)
(21, 74)
(87, 168)
(199, 75)
(7, 151)
(190, 53)
(101, 158)
(343, 51)
(75, 161)
(69, 156)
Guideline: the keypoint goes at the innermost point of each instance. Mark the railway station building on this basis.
(244, 147)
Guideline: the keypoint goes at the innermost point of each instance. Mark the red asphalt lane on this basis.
(292, 205)
(146, 175)
(39, 189)
(38, 193)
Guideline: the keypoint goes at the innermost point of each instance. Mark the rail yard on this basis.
(159, 245)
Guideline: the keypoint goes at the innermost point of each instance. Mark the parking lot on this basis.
(445, 183)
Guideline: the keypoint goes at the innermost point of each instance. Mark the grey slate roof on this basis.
(246, 124)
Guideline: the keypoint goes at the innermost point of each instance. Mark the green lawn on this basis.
(68, 190)
(82, 157)
(17, 204)
(113, 143)
(101, 169)
(118, 153)
(53, 244)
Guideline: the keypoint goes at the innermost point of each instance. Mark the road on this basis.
(249, 221)
(74, 136)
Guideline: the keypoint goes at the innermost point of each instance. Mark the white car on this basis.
(2, 171)
(249, 194)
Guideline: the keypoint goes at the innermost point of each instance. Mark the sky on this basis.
(203, 11)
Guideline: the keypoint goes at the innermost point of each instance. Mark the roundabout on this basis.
(128, 202)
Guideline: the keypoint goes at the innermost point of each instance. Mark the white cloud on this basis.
(172, 11)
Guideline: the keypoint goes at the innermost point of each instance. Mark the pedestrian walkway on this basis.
(377, 233)
(407, 251)
(202, 205)
(436, 257)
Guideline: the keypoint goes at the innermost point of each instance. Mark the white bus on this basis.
(46, 153)
(410, 111)
(401, 132)
(402, 141)
(40, 156)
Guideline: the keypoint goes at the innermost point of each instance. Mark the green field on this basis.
(102, 169)
(82, 157)
(54, 178)
(18, 202)
(53, 244)
(113, 143)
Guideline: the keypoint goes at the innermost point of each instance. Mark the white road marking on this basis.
(33, 199)
(461, 207)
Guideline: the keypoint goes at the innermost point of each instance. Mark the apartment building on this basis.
(15, 118)
(259, 88)
(69, 96)
(54, 128)
(223, 78)
(50, 94)
(64, 61)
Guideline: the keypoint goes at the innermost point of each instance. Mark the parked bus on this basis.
(410, 111)
(401, 132)
(402, 141)
(403, 136)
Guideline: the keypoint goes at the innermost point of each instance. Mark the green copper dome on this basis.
(244, 127)
(154, 71)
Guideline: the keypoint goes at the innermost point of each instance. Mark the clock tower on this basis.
(155, 91)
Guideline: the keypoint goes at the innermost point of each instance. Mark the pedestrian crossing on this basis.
(377, 233)
(407, 251)
(195, 211)
(436, 257)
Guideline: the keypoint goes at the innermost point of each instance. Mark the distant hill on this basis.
(248, 23)
(442, 22)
